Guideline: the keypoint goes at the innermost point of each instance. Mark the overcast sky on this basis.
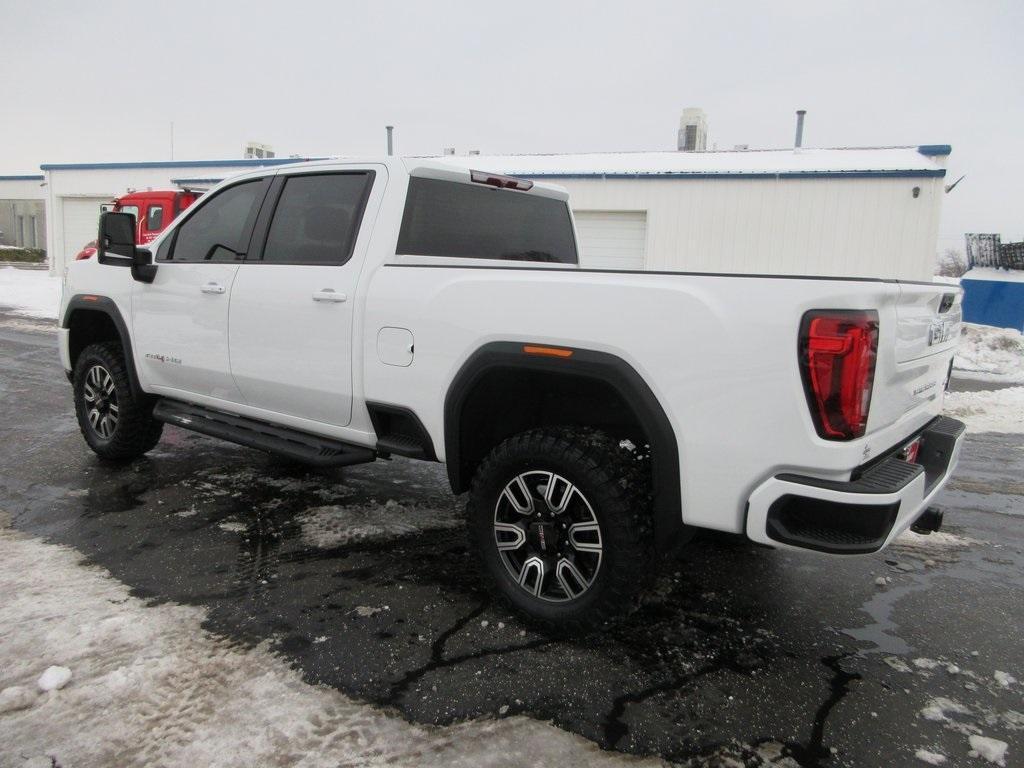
(90, 81)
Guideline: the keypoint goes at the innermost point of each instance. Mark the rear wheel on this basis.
(115, 423)
(561, 518)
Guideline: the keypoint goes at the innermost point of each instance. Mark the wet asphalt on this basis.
(361, 577)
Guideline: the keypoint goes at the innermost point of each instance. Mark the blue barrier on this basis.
(994, 302)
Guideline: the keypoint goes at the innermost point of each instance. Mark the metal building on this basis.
(847, 212)
(23, 211)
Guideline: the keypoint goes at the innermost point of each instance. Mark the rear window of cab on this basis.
(474, 221)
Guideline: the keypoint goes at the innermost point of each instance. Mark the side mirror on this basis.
(116, 246)
(116, 242)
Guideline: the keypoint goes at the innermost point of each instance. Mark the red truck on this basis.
(153, 209)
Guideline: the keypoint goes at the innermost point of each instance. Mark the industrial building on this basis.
(847, 212)
(23, 211)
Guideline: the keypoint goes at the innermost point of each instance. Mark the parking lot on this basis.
(362, 579)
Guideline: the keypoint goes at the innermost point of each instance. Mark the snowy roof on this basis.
(923, 160)
(995, 274)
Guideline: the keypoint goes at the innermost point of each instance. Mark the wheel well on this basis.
(506, 401)
(502, 390)
(89, 326)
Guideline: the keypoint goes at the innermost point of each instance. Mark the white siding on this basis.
(861, 227)
(612, 239)
(81, 218)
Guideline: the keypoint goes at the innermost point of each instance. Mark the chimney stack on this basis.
(799, 128)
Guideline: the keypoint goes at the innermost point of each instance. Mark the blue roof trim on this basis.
(935, 150)
(255, 163)
(919, 174)
(23, 178)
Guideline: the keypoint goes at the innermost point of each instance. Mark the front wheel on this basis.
(116, 424)
(561, 519)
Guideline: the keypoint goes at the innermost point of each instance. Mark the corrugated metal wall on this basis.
(864, 227)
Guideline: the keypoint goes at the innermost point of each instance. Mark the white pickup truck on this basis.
(337, 312)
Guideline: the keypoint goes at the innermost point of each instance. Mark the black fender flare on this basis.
(670, 531)
(104, 305)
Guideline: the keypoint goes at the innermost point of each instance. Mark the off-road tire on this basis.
(616, 485)
(136, 431)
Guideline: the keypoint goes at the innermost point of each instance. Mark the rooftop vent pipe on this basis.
(799, 128)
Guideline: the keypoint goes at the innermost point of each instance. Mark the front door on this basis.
(292, 309)
(180, 320)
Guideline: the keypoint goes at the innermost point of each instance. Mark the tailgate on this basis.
(928, 321)
(911, 374)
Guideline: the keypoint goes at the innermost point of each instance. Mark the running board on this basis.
(300, 446)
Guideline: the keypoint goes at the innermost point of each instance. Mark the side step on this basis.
(300, 446)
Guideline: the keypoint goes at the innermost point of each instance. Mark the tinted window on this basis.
(446, 218)
(154, 218)
(316, 219)
(216, 230)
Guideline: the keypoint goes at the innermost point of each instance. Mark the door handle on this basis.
(329, 294)
(213, 288)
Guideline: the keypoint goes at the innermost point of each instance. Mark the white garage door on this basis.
(612, 239)
(81, 221)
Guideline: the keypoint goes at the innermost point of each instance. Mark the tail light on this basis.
(837, 362)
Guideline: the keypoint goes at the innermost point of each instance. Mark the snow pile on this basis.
(991, 354)
(932, 758)
(998, 411)
(54, 678)
(151, 687)
(30, 292)
(992, 750)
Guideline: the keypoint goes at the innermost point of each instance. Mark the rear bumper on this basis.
(860, 515)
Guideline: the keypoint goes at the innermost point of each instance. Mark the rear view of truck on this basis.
(879, 384)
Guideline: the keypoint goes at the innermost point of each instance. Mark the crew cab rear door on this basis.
(293, 302)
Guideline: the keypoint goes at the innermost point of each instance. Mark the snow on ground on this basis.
(150, 687)
(1001, 410)
(30, 292)
(992, 750)
(991, 354)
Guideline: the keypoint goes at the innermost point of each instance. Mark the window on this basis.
(219, 229)
(446, 218)
(132, 209)
(154, 218)
(316, 219)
